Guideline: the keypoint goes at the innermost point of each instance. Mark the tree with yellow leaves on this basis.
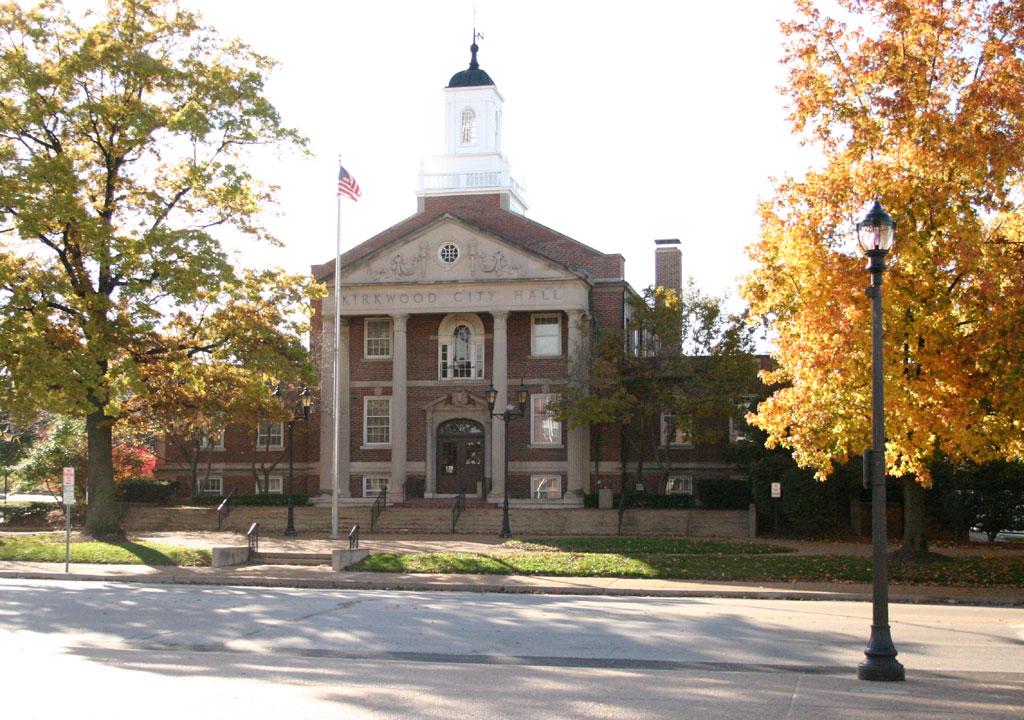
(124, 139)
(920, 104)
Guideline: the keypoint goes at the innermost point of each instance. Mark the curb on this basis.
(401, 585)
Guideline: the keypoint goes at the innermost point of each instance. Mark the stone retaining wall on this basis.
(478, 521)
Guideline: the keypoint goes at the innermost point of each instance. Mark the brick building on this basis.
(466, 293)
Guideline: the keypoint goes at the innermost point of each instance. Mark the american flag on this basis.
(347, 185)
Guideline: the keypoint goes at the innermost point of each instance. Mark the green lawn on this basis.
(645, 545)
(763, 568)
(50, 548)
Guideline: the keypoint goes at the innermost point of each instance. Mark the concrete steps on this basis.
(290, 558)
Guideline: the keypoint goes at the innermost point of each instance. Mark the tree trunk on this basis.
(103, 511)
(914, 538)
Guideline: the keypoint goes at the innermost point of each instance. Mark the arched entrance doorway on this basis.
(460, 457)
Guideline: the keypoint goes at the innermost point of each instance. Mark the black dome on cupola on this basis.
(473, 76)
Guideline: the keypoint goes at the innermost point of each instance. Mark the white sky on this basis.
(625, 121)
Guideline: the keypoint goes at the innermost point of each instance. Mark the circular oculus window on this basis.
(448, 253)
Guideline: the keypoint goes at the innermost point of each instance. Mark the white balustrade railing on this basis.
(450, 181)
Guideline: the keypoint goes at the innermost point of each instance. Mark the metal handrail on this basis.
(254, 538)
(353, 537)
(458, 507)
(378, 507)
(224, 508)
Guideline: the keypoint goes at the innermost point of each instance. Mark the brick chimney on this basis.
(668, 265)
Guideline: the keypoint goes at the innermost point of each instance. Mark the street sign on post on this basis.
(69, 500)
(69, 486)
(776, 494)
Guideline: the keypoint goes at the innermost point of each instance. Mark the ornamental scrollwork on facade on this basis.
(495, 263)
(403, 266)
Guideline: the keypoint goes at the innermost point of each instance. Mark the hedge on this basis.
(261, 499)
(146, 490)
(644, 500)
(724, 494)
(26, 509)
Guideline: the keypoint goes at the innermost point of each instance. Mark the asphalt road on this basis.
(104, 649)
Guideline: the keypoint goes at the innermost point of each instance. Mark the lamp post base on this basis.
(880, 663)
(290, 530)
(881, 670)
(506, 530)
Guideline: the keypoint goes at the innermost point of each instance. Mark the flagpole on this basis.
(336, 445)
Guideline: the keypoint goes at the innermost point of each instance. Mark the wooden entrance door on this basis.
(460, 457)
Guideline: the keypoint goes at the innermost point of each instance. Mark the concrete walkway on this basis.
(323, 577)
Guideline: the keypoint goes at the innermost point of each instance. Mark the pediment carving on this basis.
(451, 251)
(402, 265)
(496, 263)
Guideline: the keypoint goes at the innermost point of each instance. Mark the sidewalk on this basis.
(300, 576)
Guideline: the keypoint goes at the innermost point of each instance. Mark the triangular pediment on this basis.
(450, 250)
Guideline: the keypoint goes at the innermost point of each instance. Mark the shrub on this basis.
(262, 499)
(645, 500)
(724, 494)
(807, 506)
(22, 510)
(146, 490)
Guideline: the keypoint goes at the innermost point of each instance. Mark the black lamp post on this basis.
(8, 437)
(522, 395)
(875, 236)
(305, 400)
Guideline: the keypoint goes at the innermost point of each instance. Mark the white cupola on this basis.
(473, 163)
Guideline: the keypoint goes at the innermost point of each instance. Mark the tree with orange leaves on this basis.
(921, 107)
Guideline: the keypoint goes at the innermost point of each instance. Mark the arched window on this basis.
(460, 347)
(468, 125)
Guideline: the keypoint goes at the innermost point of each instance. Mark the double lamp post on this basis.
(301, 412)
(522, 395)
(875, 235)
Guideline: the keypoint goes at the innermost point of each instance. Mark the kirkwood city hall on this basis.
(464, 294)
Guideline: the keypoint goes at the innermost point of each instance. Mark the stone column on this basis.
(577, 437)
(399, 402)
(500, 381)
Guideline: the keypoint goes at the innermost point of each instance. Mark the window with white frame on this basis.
(372, 486)
(468, 125)
(546, 487)
(460, 347)
(270, 435)
(275, 485)
(546, 335)
(675, 431)
(213, 486)
(679, 485)
(377, 421)
(448, 253)
(544, 428)
(377, 338)
(739, 430)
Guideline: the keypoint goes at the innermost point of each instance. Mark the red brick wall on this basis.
(668, 266)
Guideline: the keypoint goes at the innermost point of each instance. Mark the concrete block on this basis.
(341, 559)
(225, 556)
